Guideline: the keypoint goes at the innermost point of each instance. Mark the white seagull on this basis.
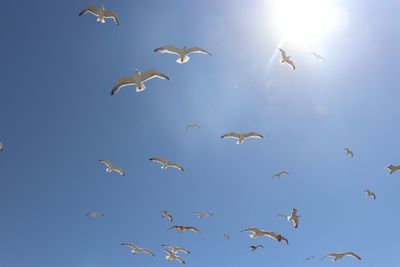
(165, 214)
(192, 126)
(112, 167)
(369, 193)
(172, 256)
(101, 14)
(286, 59)
(201, 214)
(279, 174)
(165, 164)
(294, 218)
(95, 214)
(182, 228)
(318, 56)
(256, 232)
(135, 249)
(242, 136)
(176, 249)
(349, 152)
(338, 256)
(392, 168)
(138, 79)
(183, 53)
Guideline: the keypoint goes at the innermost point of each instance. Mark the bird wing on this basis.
(170, 253)
(253, 135)
(192, 228)
(124, 81)
(150, 74)
(1, 147)
(176, 166)
(197, 50)
(184, 250)
(106, 162)
(231, 135)
(352, 254)
(295, 219)
(290, 62)
(147, 251)
(90, 9)
(180, 259)
(112, 15)
(131, 246)
(283, 53)
(119, 170)
(159, 160)
(168, 49)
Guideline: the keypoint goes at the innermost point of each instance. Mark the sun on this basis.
(305, 21)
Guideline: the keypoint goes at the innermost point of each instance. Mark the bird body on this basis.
(182, 228)
(135, 249)
(242, 136)
(339, 256)
(138, 79)
(286, 59)
(100, 13)
(165, 164)
(112, 167)
(165, 214)
(183, 53)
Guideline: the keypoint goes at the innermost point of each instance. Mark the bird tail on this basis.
(184, 60)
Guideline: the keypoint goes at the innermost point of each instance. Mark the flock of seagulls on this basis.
(138, 79)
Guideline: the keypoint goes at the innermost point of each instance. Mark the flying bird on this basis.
(192, 126)
(95, 214)
(318, 56)
(182, 228)
(226, 236)
(369, 193)
(294, 218)
(201, 214)
(279, 174)
(112, 167)
(135, 249)
(100, 13)
(286, 59)
(242, 136)
(165, 164)
(172, 256)
(183, 53)
(138, 79)
(349, 152)
(1, 147)
(392, 168)
(254, 248)
(338, 256)
(176, 249)
(256, 232)
(165, 214)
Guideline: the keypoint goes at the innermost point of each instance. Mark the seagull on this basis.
(253, 247)
(112, 167)
(279, 174)
(369, 193)
(1, 147)
(201, 214)
(226, 236)
(242, 136)
(166, 214)
(183, 53)
(286, 59)
(338, 256)
(294, 217)
(392, 168)
(166, 164)
(309, 258)
(175, 249)
(181, 228)
(192, 126)
(256, 232)
(318, 56)
(172, 256)
(135, 249)
(100, 13)
(349, 152)
(95, 214)
(138, 79)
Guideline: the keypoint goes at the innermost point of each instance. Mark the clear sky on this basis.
(57, 120)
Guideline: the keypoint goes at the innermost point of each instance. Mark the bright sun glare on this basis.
(306, 21)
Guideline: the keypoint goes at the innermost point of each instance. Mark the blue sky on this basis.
(57, 121)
